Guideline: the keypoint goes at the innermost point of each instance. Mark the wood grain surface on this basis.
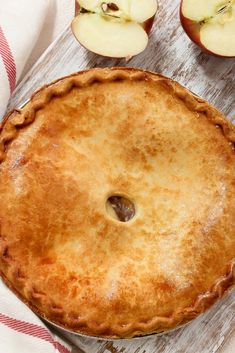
(171, 53)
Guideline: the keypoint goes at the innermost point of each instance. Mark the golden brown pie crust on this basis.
(117, 131)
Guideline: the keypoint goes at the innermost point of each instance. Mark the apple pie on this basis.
(117, 213)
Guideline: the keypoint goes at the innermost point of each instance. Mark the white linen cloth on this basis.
(26, 28)
(22, 331)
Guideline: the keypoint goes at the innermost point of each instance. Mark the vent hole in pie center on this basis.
(120, 208)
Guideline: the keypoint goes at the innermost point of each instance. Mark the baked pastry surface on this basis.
(117, 132)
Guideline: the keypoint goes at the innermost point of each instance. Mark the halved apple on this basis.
(210, 24)
(115, 29)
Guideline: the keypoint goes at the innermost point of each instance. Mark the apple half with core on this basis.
(116, 29)
(210, 24)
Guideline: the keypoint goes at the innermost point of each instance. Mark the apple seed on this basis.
(112, 6)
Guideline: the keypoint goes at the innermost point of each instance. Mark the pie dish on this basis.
(92, 146)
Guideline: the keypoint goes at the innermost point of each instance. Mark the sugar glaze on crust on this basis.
(39, 301)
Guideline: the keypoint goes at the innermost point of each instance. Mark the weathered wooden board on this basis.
(171, 53)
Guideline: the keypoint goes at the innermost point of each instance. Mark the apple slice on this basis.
(115, 29)
(109, 38)
(210, 24)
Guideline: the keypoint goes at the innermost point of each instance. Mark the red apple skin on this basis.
(77, 8)
(192, 29)
(147, 25)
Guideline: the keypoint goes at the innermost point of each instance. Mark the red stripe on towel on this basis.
(32, 330)
(8, 60)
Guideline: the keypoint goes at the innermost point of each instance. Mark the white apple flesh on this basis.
(110, 38)
(115, 29)
(211, 25)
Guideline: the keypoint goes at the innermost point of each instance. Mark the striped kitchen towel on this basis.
(26, 28)
(20, 26)
(22, 331)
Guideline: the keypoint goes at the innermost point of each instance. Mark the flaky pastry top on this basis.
(126, 132)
